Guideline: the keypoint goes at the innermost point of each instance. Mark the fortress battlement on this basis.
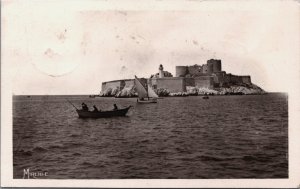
(212, 66)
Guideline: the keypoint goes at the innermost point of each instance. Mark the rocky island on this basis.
(206, 79)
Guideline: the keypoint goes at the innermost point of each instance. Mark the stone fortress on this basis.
(189, 80)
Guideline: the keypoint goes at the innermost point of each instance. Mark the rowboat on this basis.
(146, 94)
(102, 114)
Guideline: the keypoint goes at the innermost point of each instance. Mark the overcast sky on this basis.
(71, 47)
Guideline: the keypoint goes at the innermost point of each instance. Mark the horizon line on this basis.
(106, 97)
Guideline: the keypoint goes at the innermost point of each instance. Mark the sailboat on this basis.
(145, 96)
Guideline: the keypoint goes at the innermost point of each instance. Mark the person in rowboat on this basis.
(95, 109)
(84, 107)
(115, 107)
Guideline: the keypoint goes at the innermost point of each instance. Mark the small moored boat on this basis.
(205, 97)
(102, 114)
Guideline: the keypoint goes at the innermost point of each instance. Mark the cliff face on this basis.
(127, 92)
(232, 90)
(130, 91)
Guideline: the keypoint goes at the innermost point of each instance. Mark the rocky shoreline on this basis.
(130, 91)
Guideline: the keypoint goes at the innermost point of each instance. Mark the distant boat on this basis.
(205, 97)
(145, 96)
(102, 114)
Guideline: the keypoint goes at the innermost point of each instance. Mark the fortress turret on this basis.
(161, 71)
(217, 66)
(209, 67)
(214, 66)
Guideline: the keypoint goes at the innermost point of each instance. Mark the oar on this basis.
(72, 104)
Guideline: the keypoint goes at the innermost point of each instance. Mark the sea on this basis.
(223, 137)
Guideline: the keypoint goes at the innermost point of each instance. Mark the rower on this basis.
(84, 107)
(115, 107)
(95, 109)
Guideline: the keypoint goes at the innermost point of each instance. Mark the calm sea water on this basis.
(180, 137)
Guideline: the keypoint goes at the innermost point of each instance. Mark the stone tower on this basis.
(161, 71)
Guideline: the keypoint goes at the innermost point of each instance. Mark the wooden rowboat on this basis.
(103, 114)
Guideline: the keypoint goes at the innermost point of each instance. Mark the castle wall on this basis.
(204, 69)
(220, 78)
(204, 82)
(181, 71)
(246, 79)
(189, 81)
(217, 78)
(234, 79)
(194, 70)
(122, 84)
(173, 84)
(212, 66)
(153, 82)
(117, 84)
(103, 86)
(111, 84)
(129, 82)
(226, 78)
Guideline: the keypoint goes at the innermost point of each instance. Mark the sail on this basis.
(151, 92)
(140, 89)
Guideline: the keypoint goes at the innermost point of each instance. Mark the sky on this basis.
(71, 47)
